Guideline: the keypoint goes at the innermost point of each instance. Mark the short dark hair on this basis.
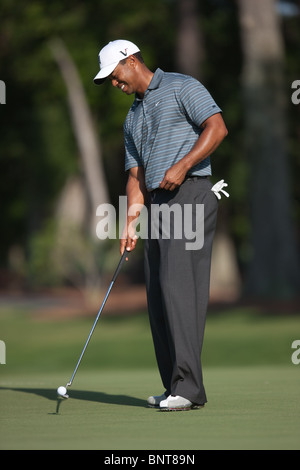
(138, 55)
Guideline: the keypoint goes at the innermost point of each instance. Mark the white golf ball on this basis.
(61, 391)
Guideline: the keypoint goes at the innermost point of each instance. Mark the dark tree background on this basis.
(61, 139)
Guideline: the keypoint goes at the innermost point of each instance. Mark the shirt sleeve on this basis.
(197, 102)
(132, 158)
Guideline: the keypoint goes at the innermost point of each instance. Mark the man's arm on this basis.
(214, 131)
(136, 195)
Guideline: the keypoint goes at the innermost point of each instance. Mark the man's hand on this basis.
(129, 237)
(174, 177)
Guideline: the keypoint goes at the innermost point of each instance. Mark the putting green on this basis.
(251, 383)
(248, 408)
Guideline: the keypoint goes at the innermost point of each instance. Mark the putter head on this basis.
(66, 387)
(62, 393)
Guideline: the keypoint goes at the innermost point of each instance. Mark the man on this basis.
(170, 131)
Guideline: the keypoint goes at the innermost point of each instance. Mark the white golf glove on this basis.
(218, 188)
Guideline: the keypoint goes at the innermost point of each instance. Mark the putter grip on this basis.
(120, 265)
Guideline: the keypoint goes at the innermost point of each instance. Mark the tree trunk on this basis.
(84, 131)
(273, 269)
(190, 50)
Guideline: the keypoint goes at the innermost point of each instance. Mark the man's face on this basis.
(124, 78)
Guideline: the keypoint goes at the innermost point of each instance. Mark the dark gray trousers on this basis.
(177, 283)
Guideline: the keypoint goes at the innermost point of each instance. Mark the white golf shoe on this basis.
(177, 403)
(154, 401)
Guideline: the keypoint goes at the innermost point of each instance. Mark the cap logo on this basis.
(124, 53)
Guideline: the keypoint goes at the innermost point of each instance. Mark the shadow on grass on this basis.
(85, 395)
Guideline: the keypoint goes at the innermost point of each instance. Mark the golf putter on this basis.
(61, 392)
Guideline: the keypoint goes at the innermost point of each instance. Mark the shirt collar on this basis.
(155, 82)
(156, 79)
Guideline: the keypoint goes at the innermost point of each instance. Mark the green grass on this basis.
(251, 383)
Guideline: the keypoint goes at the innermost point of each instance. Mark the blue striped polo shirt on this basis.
(163, 127)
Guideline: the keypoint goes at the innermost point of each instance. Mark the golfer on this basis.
(170, 131)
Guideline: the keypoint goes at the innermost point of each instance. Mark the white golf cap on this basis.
(111, 54)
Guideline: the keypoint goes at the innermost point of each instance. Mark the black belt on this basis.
(187, 178)
(191, 177)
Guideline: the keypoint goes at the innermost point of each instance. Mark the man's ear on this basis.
(132, 61)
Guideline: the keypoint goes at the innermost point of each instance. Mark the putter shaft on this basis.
(98, 315)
